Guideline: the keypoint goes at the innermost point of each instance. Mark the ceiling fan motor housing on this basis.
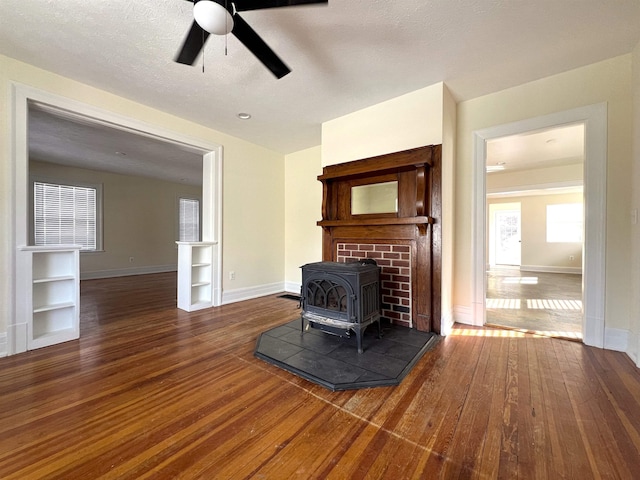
(213, 16)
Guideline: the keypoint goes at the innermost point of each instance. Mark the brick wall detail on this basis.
(395, 275)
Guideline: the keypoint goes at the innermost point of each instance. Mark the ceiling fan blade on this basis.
(258, 47)
(193, 43)
(244, 5)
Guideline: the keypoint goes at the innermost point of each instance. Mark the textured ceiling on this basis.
(345, 56)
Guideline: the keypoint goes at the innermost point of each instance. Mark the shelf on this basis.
(54, 279)
(52, 337)
(49, 281)
(200, 305)
(53, 306)
(376, 221)
(54, 326)
(195, 275)
(54, 333)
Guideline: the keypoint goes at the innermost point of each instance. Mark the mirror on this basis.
(374, 198)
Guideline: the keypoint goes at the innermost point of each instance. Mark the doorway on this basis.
(22, 98)
(594, 120)
(542, 172)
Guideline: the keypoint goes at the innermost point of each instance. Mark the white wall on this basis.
(608, 81)
(303, 202)
(253, 183)
(140, 218)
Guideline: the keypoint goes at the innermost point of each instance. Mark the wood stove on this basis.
(341, 298)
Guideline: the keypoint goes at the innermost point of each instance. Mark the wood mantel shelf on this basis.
(377, 221)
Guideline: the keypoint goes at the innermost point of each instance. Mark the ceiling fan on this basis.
(221, 17)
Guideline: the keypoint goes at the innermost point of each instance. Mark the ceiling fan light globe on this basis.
(212, 17)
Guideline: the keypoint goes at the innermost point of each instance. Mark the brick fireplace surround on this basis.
(395, 276)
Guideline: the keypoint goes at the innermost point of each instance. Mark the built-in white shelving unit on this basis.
(195, 275)
(50, 279)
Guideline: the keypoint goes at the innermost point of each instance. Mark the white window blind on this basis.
(189, 220)
(64, 214)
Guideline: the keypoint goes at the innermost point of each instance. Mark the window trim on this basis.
(71, 183)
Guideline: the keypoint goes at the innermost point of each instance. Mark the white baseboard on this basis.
(462, 314)
(633, 350)
(125, 272)
(3, 345)
(549, 269)
(616, 339)
(292, 287)
(16, 338)
(634, 353)
(240, 294)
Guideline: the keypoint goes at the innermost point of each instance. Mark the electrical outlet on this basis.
(571, 257)
(232, 275)
(130, 259)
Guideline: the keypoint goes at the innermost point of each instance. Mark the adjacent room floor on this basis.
(549, 303)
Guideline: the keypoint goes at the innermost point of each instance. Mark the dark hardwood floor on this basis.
(150, 391)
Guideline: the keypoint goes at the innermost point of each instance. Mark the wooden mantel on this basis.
(415, 224)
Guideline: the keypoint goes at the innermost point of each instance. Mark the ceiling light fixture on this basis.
(244, 116)
(213, 17)
(121, 154)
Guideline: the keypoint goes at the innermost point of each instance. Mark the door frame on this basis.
(212, 159)
(594, 119)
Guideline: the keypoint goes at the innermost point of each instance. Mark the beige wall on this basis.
(449, 122)
(303, 201)
(140, 219)
(409, 121)
(535, 250)
(253, 216)
(634, 344)
(253, 182)
(608, 81)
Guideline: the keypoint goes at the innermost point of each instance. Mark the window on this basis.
(564, 223)
(189, 221)
(66, 214)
